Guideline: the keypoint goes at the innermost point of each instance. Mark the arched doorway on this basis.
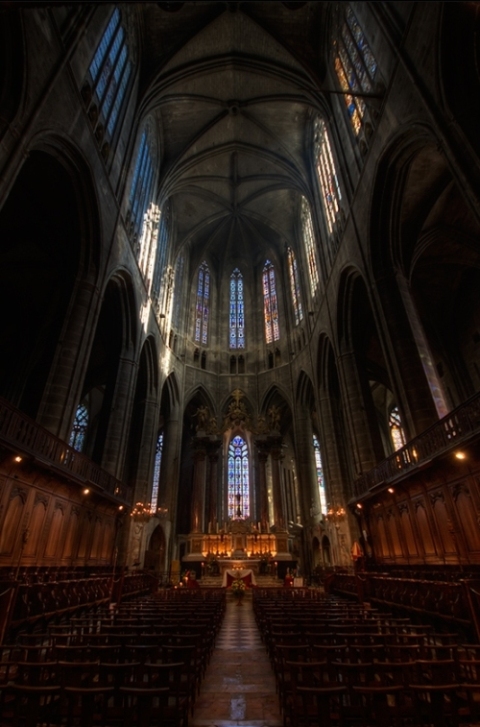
(155, 553)
(327, 559)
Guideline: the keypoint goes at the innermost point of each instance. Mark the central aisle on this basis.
(239, 688)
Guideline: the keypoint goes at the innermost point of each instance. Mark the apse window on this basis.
(294, 286)
(355, 66)
(110, 71)
(270, 304)
(238, 480)
(79, 430)
(237, 312)
(327, 176)
(202, 306)
(156, 473)
(320, 475)
(396, 430)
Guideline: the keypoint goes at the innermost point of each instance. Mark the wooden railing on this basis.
(454, 604)
(451, 431)
(24, 436)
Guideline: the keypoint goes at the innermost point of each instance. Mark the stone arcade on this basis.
(240, 285)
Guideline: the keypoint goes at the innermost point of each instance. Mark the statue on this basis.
(237, 413)
(262, 426)
(274, 417)
(202, 415)
(212, 426)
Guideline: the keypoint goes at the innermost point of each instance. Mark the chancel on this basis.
(240, 302)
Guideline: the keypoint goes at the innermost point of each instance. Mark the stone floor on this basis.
(239, 687)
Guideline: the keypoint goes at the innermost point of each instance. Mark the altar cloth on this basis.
(245, 574)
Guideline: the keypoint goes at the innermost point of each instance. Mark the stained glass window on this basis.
(177, 308)
(309, 242)
(110, 71)
(270, 305)
(320, 476)
(237, 313)
(161, 252)
(355, 66)
(294, 286)
(327, 175)
(396, 429)
(156, 473)
(141, 189)
(202, 309)
(79, 429)
(238, 480)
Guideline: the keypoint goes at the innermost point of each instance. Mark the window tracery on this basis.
(110, 70)
(355, 66)
(309, 242)
(328, 178)
(320, 475)
(270, 304)
(79, 429)
(294, 286)
(238, 479)
(156, 473)
(237, 313)
(396, 430)
(202, 307)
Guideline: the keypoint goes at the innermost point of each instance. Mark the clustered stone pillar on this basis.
(278, 510)
(262, 483)
(120, 417)
(213, 483)
(198, 496)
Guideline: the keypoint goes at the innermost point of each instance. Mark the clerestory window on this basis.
(270, 303)
(237, 312)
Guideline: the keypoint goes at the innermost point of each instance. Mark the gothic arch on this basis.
(12, 61)
(43, 219)
(304, 395)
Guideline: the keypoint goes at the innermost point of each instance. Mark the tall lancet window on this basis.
(355, 66)
(327, 176)
(238, 480)
(140, 191)
(202, 308)
(396, 430)
(110, 71)
(177, 308)
(294, 286)
(320, 475)
(156, 473)
(79, 429)
(309, 242)
(270, 304)
(237, 313)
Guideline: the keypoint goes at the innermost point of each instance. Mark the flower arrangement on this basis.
(238, 587)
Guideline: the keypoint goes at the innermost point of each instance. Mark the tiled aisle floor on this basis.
(239, 687)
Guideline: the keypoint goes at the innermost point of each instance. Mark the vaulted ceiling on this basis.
(234, 87)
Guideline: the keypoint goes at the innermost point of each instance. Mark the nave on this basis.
(277, 656)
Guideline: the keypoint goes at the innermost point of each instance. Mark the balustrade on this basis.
(454, 429)
(25, 436)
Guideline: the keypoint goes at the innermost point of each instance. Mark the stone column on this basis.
(262, 483)
(367, 449)
(143, 477)
(63, 390)
(213, 482)
(278, 509)
(120, 417)
(198, 495)
(426, 394)
(307, 475)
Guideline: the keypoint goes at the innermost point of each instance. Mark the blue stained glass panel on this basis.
(238, 480)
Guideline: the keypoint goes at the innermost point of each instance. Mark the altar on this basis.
(244, 574)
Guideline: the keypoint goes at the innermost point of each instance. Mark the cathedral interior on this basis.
(249, 232)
